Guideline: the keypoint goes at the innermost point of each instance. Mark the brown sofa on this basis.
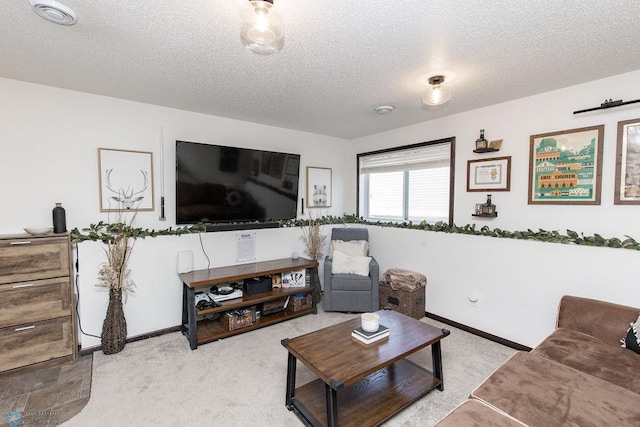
(578, 376)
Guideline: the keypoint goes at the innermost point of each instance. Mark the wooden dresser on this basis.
(37, 316)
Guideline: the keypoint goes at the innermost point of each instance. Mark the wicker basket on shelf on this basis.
(301, 303)
(238, 319)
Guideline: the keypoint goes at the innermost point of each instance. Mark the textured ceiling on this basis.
(341, 59)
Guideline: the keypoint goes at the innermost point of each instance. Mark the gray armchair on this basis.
(351, 292)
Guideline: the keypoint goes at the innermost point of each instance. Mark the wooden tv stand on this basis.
(199, 329)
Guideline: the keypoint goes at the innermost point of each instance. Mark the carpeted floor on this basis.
(241, 380)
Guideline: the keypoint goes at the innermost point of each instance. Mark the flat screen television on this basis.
(217, 184)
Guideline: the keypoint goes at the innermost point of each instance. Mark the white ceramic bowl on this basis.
(44, 229)
(370, 322)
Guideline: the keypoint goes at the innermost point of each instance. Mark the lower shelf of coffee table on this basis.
(211, 330)
(370, 401)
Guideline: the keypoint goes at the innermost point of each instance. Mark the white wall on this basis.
(519, 282)
(49, 154)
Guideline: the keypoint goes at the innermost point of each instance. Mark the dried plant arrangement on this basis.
(313, 237)
(114, 272)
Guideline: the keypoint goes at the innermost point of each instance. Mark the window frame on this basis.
(452, 173)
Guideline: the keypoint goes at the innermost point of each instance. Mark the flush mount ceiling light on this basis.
(436, 94)
(384, 109)
(262, 28)
(54, 12)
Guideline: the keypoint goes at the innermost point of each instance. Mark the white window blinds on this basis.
(412, 183)
(430, 156)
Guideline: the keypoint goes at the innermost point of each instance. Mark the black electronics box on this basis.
(257, 285)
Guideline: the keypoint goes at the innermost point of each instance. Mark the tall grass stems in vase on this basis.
(315, 240)
(114, 274)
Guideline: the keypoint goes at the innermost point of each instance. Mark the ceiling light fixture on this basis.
(262, 28)
(436, 94)
(384, 109)
(54, 12)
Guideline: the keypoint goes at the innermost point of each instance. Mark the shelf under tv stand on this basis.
(199, 329)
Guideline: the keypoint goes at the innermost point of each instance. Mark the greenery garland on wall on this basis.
(104, 232)
(540, 235)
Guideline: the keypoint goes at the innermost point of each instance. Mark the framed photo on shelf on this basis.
(489, 174)
(294, 279)
(318, 187)
(126, 180)
(565, 167)
(627, 191)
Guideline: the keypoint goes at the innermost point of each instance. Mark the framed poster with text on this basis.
(565, 167)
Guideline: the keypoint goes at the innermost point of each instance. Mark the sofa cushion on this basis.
(592, 356)
(474, 413)
(600, 319)
(345, 264)
(632, 339)
(541, 392)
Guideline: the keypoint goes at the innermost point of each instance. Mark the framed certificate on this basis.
(492, 174)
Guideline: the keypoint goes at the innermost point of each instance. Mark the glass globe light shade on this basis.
(262, 28)
(435, 95)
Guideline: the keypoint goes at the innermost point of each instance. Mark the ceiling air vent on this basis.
(54, 12)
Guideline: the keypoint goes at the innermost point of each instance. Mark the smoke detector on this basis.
(384, 109)
(54, 12)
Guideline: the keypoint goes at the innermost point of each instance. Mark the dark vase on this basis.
(114, 327)
(59, 219)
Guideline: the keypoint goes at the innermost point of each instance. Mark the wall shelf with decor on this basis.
(213, 323)
(484, 146)
(486, 150)
(493, 215)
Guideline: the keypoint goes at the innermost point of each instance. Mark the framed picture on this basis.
(627, 191)
(565, 167)
(489, 174)
(126, 180)
(318, 187)
(294, 279)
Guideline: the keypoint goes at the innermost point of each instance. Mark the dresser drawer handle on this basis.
(24, 328)
(20, 243)
(27, 285)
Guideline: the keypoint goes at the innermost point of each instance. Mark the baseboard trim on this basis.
(478, 332)
(482, 334)
(159, 332)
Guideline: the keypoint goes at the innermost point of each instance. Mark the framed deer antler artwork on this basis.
(126, 180)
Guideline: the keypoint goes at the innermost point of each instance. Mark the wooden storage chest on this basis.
(37, 321)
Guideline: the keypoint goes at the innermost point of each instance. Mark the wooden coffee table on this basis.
(359, 384)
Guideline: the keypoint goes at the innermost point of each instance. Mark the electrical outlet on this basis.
(473, 299)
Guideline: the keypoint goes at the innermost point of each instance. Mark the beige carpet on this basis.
(241, 380)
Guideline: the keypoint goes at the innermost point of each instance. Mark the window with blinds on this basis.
(412, 183)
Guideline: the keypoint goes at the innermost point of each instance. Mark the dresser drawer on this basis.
(35, 342)
(23, 259)
(34, 301)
